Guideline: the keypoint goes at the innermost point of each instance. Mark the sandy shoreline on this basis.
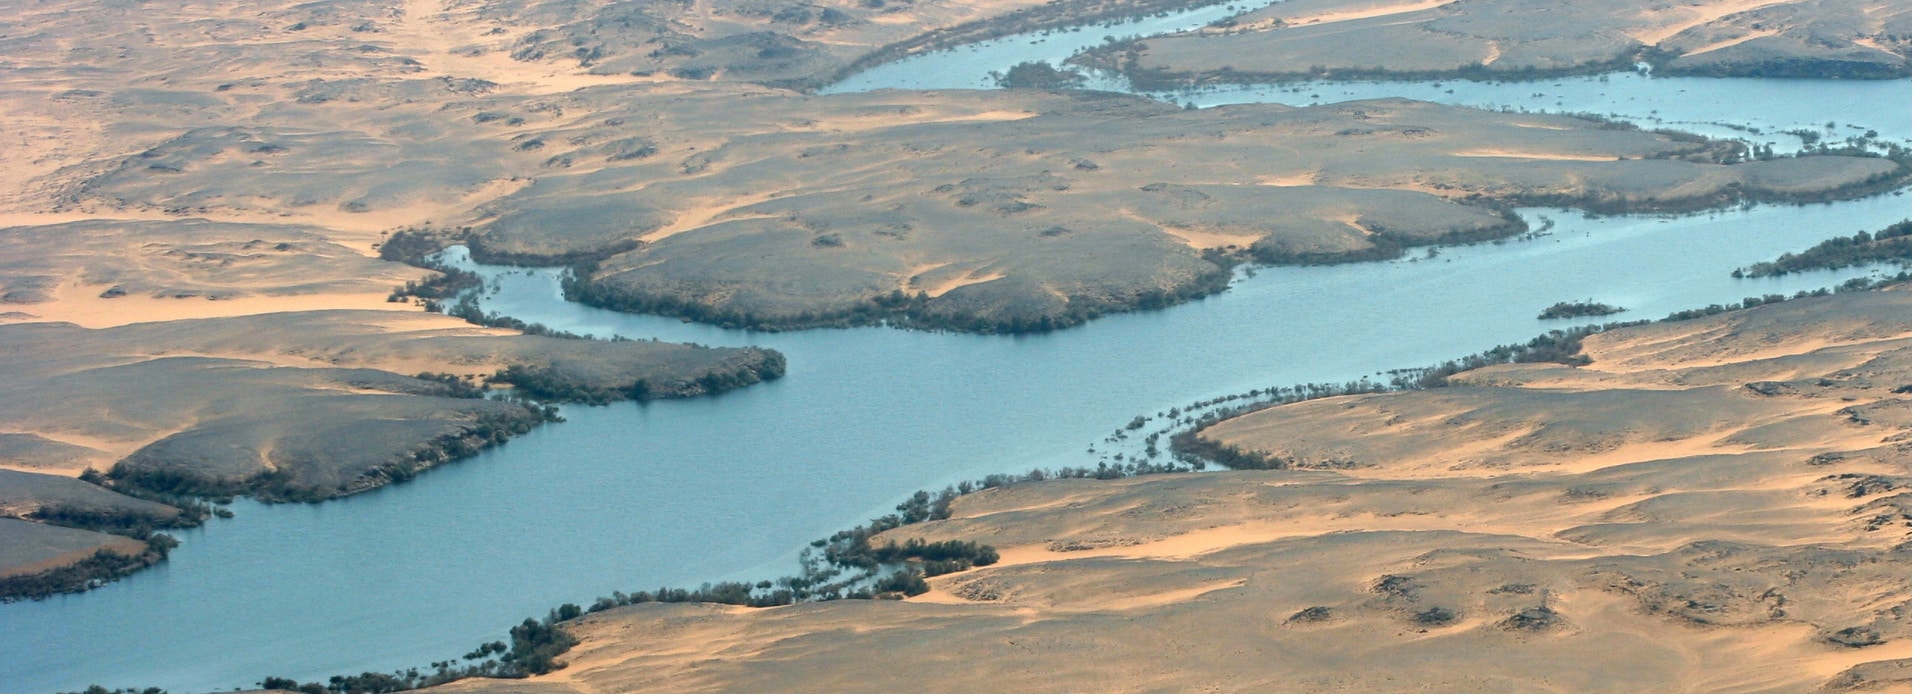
(1753, 542)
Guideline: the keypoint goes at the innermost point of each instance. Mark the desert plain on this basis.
(217, 221)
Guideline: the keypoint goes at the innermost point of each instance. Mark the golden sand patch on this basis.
(1873, 43)
(930, 278)
(105, 453)
(868, 122)
(1297, 180)
(1154, 600)
(1368, 13)
(81, 304)
(702, 213)
(1530, 155)
(48, 218)
(444, 46)
(1684, 17)
(956, 283)
(359, 230)
(1625, 353)
(1201, 240)
(1179, 547)
(1716, 46)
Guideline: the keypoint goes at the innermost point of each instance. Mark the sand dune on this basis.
(1306, 39)
(1539, 533)
(193, 197)
(552, 137)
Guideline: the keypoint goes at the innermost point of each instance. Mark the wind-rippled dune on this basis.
(193, 197)
(191, 302)
(1029, 211)
(714, 198)
(1719, 504)
(1013, 210)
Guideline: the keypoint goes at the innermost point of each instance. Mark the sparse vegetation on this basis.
(1124, 57)
(1577, 309)
(444, 284)
(414, 246)
(1857, 284)
(891, 571)
(489, 428)
(1053, 15)
(1387, 245)
(535, 644)
(1531, 619)
(1038, 75)
(1888, 245)
(1435, 617)
(125, 523)
(85, 507)
(456, 386)
(896, 308)
(1190, 61)
(468, 309)
(1317, 613)
(1559, 346)
(103, 566)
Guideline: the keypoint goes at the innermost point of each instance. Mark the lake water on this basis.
(673, 493)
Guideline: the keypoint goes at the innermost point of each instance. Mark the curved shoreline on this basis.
(1057, 14)
(1156, 80)
(707, 338)
(364, 428)
(881, 311)
(103, 566)
(909, 312)
(1465, 42)
(1189, 451)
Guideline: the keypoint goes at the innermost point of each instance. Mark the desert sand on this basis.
(193, 303)
(846, 201)
(1305, 39)
(1714, 505)
(326, 127)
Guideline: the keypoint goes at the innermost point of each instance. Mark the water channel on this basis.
(673, 493)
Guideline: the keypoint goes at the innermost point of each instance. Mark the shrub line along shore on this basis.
(185, 498)
(848, 565)
(902, 310)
